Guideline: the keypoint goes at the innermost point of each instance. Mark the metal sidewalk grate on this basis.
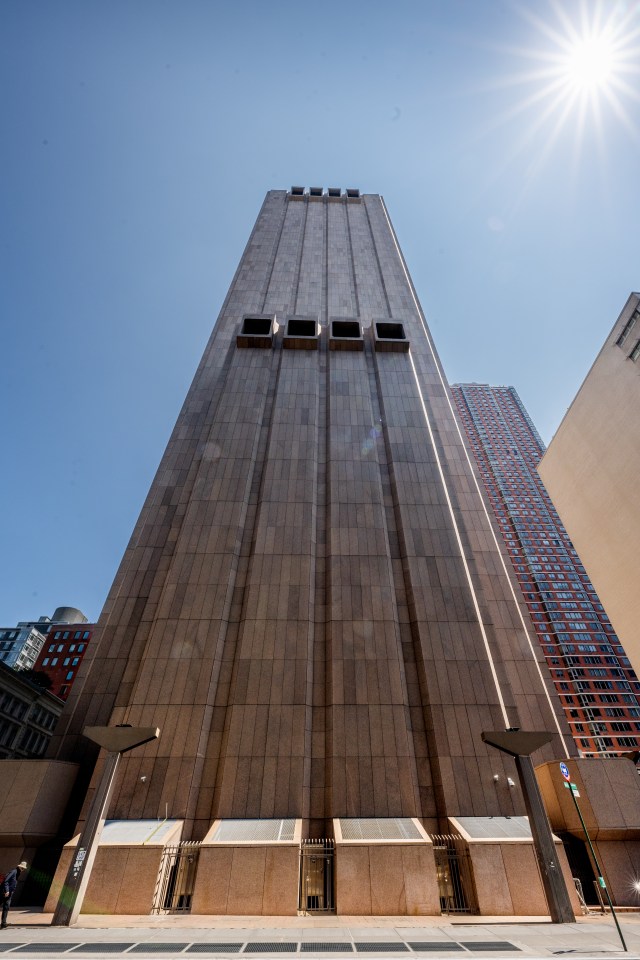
(435, 946)
(476, 946)
(151, 947)
(326, 947)
(284, 947)
(374, 946)
(45, 947)
(215, 947)
(102, 947)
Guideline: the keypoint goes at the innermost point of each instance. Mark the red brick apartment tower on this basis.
(592, 675)
(62, 654)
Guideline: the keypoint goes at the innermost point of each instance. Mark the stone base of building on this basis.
(372, 867)
(609, 800)
(125, 874)
(506, 878)
(384, 875)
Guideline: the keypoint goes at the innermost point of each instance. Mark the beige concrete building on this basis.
(592, 472)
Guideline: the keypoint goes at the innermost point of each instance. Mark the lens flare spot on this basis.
(370, 441)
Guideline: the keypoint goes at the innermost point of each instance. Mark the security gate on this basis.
(455, 877)
(176, 878)
(316, 876)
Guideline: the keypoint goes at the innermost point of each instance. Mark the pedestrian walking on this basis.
(9, 885)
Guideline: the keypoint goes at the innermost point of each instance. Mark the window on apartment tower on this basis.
(626, 330)
(635, 353)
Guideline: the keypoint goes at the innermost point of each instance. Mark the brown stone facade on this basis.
(315, 606)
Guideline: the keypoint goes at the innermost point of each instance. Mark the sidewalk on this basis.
(30, 934)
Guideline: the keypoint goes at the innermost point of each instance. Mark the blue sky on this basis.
(139, 138)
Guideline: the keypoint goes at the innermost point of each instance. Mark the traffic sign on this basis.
(564, 770)
(574, 789)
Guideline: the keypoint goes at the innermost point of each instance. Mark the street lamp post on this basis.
(116, 741)
(520, 744)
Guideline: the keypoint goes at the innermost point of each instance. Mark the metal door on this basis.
(176, 878)
(454, 873)
(316, 876)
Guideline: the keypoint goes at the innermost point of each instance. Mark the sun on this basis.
(591, 63)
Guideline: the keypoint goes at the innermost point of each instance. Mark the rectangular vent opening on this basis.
(302, 328)
(345, 329)
(390, 331)
(315, 191)
(256, 326)
(390, 337)
(297, 191)
(334, 191)
(256, 331)
(352, 193)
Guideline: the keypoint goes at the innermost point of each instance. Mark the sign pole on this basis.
(601, 880)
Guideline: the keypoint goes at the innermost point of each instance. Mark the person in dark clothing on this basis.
(9, 885)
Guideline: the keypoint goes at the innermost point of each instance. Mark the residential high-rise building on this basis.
(591, 672)
(591, 470)
(315, 609)
(21, 646)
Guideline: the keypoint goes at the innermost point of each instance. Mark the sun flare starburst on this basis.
(590, 61)
(582, 75)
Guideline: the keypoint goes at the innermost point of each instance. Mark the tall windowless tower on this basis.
(315, 606)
